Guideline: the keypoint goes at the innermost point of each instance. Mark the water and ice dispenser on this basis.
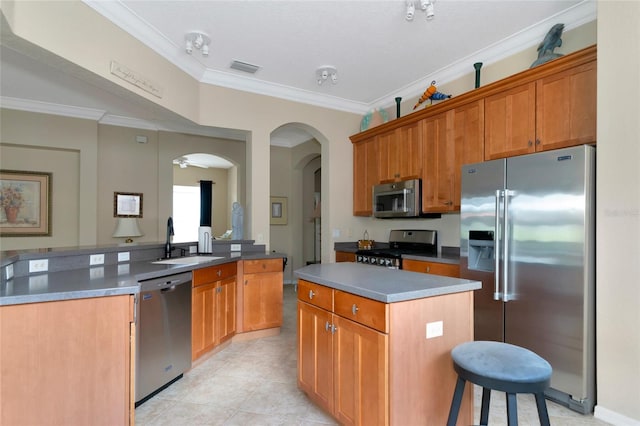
(481, 251)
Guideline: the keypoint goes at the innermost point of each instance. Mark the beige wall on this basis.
(618, 213)
(67, 148)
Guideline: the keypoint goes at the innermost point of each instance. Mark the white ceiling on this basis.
(378, 54)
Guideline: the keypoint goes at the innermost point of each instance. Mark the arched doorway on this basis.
(296, 174)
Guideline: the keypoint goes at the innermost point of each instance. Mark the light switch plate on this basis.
(236, 247)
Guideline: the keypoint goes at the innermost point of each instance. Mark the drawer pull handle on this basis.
(428, 268)
(327, 327)
(219, 272)
(354, 309)
(311, 294)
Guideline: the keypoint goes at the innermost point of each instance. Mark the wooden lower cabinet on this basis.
(262, 294)
(68, 362)
(436, 268)
(386, 373)
(360, 373)
(344, 256)
(213, 312)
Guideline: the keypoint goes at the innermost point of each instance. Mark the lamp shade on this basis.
(127, 227)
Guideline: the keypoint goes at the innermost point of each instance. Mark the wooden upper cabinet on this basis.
(566, 108)
(555, 111)
(452, 139)
(438, 162)
(365, 175)
(400, 153)
(510, 122)
(547, 107)
(468, 143)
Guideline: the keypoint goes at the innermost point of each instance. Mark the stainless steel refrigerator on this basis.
(527, 232)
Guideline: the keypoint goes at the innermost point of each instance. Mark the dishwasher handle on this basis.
(166, 283)
(168, 289)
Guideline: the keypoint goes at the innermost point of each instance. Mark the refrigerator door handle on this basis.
(505, 250)
(497, 253)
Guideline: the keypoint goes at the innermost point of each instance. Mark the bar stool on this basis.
(503, 367)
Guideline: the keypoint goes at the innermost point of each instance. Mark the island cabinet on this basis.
(68, 362)
(556, 111)
(213, 312)
(368, 363)
(261, 294)
(436, 268)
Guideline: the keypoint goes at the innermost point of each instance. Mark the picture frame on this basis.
(127, 204)
(278, 210)
(25, 200)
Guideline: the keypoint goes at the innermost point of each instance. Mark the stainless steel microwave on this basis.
(397, 199)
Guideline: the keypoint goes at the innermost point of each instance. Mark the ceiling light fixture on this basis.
(197, 40)
(327, 72)
(411, 10)
(425, 5)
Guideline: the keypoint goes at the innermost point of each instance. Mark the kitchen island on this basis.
(374, 344)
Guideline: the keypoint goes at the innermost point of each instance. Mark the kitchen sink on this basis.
(189, 260)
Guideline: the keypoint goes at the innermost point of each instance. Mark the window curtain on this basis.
(205, 202)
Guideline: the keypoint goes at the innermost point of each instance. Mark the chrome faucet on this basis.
(167, 246)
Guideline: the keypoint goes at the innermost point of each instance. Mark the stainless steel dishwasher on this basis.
(163, 341)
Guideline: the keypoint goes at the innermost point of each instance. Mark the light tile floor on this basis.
(254, 383)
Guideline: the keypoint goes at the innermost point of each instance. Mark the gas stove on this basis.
(417, 242)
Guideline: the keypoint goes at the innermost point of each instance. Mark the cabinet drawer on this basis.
(214, 273)
(365, 311)
(315, 294)
(262, 265)
(435, 268)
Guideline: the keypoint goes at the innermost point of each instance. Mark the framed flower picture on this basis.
(25, 200)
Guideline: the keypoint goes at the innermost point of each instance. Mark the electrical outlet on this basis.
(193, 249)
(39, 265)
(96, 259)
(434, 329)
(336, 233)
(123, 256)
(236, 247)
(9, 271)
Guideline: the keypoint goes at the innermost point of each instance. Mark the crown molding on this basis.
(51, 108)
(574, 17)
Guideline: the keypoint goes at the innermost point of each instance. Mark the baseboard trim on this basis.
(612, 417)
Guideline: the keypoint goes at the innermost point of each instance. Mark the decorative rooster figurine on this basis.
(432, 94)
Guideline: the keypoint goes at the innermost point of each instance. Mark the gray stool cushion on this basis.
(501, 366)
(504, 367)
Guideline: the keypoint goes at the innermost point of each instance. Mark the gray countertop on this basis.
(99, 281)
(384, 285)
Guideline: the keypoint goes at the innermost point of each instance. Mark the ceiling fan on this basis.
(184, 162)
